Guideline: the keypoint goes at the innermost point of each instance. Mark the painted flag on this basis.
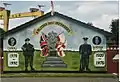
(52, 8)
(60, 45)
(43, 45)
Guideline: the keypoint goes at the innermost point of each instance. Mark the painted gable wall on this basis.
(72, 41)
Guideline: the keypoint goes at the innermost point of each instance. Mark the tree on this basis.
(1, 31)
(1, 39)
(90, 23)
(115, 30)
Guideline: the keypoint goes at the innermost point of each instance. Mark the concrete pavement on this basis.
(60, 79)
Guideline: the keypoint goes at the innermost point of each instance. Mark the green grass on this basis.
(72, 59)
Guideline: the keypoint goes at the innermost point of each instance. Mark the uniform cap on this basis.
(27, 39)
(85, 38)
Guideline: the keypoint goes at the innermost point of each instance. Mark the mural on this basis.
(12, 41)
(85, 50)
(28, 52)
(55, 44)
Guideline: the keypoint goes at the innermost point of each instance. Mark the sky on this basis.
(100, 13)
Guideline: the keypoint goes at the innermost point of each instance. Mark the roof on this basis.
(31, 22)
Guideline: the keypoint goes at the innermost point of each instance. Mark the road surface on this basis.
(60, 79)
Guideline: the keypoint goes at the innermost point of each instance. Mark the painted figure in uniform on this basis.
(85, 52)
(28, 52)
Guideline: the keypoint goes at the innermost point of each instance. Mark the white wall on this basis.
(73, 41)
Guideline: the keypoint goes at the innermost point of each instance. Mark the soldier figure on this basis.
(28, 52)
(85, 52)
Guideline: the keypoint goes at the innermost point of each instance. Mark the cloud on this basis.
(93, 11)
(99, 13)
(86, 11)
(104, 21)
(18, 21)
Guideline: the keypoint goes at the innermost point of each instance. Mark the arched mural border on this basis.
(68, 29)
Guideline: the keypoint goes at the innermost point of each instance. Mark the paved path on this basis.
(59, 79)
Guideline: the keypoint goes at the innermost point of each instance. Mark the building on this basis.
(72, 30)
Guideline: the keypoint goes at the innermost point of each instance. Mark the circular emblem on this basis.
(96, 40)
(12, 41)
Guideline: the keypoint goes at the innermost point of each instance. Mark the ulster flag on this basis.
(43, 44)
(60, 45)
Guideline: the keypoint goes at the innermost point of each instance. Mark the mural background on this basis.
(72, 58)
(73, 41)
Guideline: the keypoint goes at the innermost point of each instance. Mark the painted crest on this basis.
(52, 42)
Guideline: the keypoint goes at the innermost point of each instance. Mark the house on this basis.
(70, 32)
